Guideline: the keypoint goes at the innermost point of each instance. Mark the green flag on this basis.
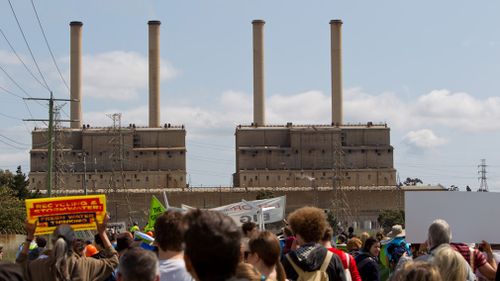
(156, 210)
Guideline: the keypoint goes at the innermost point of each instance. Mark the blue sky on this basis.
(428, 69)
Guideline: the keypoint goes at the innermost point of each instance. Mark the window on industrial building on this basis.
(90, 177)
(181, 178)
(135, 176)
(362, 151)
(101, 176)
(256, 177)
(244, 178)
(324, 174)
(147, 178)
(267, 177)
(140, 152)
(154, 152)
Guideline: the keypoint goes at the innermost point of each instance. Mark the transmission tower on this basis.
(59, 161)
(340, 204)
(116, 157)
(483, 184)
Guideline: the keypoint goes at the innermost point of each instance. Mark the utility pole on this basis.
(50, 147)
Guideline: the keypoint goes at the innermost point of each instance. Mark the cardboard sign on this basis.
(81, 212)
(471, 215)
(242, 212)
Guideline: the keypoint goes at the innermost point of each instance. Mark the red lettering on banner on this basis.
(65, 206)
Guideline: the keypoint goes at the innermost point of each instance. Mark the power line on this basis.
(8, 116)
(14, 141)
(13, 146)
(21, 60)
(28, 45)
(48, 46)
(9, 92)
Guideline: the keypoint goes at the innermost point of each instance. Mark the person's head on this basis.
(450, 263)
(124, 241)
(264, 247)
(326, 240)
(350, 230)
(372, 246)
(41, 242)
(138, 264)
(212, 245)
(11, 272)
(1, 253)
(354, 244)
(79, 247)
(249, 229)
(341, 239)
(363, 236)
(417, 271)
(380, 235)
(308, 224)
(169, 231)
(439, 233)
(62, 239)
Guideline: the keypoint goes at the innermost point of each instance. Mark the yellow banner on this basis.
(81, 212)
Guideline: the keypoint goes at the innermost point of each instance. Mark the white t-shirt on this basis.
(174, 270)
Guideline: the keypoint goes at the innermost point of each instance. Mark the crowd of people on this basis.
(205, 245)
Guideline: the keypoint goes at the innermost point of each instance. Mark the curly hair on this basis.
(308, 222)
(168, 230)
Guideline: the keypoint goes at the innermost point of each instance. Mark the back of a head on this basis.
(212, 244)
(417, 271)
(450, 263)
(138, 264)
(124, 241)
(308, 222)
(354, 244)
(41, 242)
(267, 246)
(63, 238)
(248, 227)
(168, 231)
(369, 243)
(439, 233)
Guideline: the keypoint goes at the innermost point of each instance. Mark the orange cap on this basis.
(150, 233)
(90, 250)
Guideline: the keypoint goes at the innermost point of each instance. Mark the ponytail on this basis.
(61, 253)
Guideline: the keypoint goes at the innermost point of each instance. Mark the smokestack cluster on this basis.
(336, 53)
(154, 74)
(259, 115)
(76, 74)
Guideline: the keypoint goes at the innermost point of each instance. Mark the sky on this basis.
(429, 69)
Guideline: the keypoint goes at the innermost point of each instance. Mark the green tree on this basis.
(12, 211)
(388, 218)
(18, 183)
(264, 194)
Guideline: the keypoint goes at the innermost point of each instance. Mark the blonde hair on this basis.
(247, 271)
(450, 263)
(417, 271)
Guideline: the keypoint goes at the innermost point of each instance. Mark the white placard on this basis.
(472, 216)
(242, 212)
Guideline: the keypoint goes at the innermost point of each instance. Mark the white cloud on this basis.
(7, 57)
(119, 75)
(423, 138)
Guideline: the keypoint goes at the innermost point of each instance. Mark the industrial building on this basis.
(326, 155)
(116, 157)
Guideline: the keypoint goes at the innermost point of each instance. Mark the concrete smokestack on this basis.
(154, 74)
(336, 50)
(259, 115)
(76, 73)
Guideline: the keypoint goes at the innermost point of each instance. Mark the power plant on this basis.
(309, 163)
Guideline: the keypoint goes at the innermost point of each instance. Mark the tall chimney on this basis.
(259, 115)
(76, 73)
(154, 74)
(336, 50)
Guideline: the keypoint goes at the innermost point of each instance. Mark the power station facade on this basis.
(335, 154)
(154, 157)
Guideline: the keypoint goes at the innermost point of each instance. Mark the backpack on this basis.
(396, 251)
(347, 272)
(317, 275)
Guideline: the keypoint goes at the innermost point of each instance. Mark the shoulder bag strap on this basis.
(295, 267)
(326, 262)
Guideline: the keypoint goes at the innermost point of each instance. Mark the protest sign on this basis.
(81, 212)
(155, 211)
(242, 212)
(471, 215)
